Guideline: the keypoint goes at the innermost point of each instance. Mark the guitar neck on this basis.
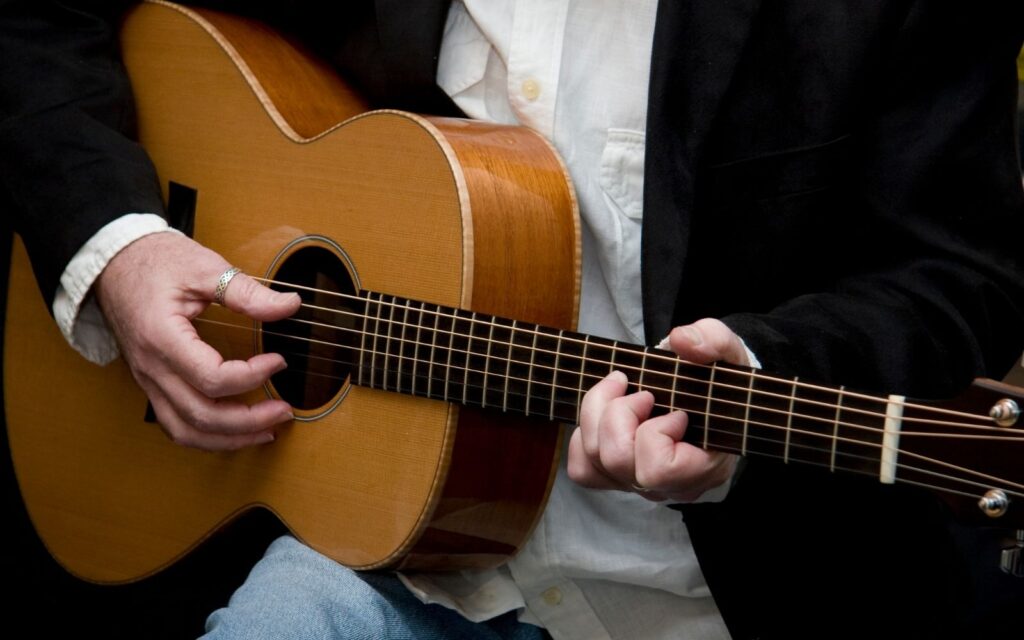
(484, 361)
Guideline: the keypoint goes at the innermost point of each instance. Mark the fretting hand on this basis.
(149, 294)
(618, 446)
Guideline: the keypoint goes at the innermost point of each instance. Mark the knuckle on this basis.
(250, 293)
(654, 476)
(208, 383)
(200, 418)
(616, 455)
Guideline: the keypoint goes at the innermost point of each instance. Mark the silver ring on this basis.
(222, 284)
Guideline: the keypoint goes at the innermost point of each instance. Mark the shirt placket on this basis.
(534, 62)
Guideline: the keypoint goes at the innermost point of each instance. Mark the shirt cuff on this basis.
(77, 313)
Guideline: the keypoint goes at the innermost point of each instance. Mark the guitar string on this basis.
(596, 377)
(813, 434)
(668, 358)
(903, 454)
(791, 456)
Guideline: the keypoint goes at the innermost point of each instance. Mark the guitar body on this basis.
(452, 212)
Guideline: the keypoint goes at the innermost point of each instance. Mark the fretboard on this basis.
(494, 363)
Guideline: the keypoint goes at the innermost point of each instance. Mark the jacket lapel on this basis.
(697, 44)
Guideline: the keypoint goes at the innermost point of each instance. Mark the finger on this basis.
(581, 468)
(205, 369)
(675, 468)
(182, 433)
(593, 406)
(618, 427)
(706, 341)
(247, 296)
(221, 416)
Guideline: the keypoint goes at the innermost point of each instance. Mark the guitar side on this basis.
(458, 213)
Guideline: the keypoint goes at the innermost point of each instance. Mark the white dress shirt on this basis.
(600, 564)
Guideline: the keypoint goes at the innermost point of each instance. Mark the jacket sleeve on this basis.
(932, 295)
(937, 296)
(68, 161)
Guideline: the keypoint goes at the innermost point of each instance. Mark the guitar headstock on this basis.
(970, 450)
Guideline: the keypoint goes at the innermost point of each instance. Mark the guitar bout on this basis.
(994, 503)
(1005, 413)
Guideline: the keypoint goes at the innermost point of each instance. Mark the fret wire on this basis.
(469, 354)
(508, 365)
(401, 347)
(707, 409)
(451, 349)
(693, 395)
(672, 393)
(789, 421)
(835, 430)
(529, 374)
(487, 366)
(554, 373)
(766, 409)
(416, 350)
(872, 398)
(976, 483)
(724, 386)
(373, 360)
(362, 342)
(819, 435)
(433, 355)
(579, 388)
(387, 347)
(746, 413)
(643, 365)
(614, 348)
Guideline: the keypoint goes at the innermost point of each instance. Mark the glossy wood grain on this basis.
(379, 480)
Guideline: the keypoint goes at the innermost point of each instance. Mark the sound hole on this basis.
(317, 342)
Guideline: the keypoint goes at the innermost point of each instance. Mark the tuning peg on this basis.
(1012, 557)
(1005, 412)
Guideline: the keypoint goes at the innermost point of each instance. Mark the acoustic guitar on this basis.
(434, 358)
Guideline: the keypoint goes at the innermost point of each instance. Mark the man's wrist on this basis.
(77, 314)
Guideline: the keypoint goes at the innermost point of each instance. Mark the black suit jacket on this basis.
(837, 181)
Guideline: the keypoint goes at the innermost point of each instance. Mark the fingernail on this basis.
(266, 438)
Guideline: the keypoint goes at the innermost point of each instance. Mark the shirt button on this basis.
(552, 597)
(531, 89)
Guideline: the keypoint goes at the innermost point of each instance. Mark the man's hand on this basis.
(149, 293)
(617, 447)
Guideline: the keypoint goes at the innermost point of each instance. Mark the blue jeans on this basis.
(295, 592)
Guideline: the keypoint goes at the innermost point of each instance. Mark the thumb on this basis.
(706, 341)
